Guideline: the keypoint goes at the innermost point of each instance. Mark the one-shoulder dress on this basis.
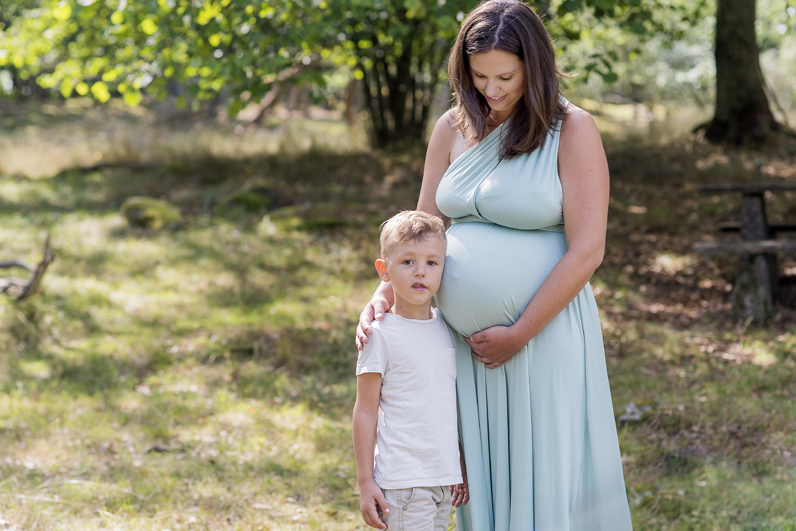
(538, 432)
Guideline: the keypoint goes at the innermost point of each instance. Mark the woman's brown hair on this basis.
(513, 27)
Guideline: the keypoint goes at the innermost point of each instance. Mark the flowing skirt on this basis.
(538, 433)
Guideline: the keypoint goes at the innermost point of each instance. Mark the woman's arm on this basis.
(584, 178)
(438, 155)
(438, 158)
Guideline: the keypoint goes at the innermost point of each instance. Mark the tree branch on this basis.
(21, 288)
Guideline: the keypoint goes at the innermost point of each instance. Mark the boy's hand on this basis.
(370, 499)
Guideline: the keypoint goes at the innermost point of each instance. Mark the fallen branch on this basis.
(21, 288)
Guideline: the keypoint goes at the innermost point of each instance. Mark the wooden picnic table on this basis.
(756, 283)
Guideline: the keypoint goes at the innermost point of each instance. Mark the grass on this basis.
(200, 376)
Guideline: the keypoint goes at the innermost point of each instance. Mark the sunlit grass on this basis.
(200, 376)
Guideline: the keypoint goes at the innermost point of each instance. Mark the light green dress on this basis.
(538, 432)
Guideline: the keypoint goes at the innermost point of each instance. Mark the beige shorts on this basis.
(417, 509)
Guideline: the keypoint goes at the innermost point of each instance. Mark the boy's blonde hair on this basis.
(409, 225)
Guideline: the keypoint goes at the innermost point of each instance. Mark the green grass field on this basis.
(201, 376)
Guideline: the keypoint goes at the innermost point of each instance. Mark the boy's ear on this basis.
(381, 269)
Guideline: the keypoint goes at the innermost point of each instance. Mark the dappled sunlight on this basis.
(202, 374)
(672, 264)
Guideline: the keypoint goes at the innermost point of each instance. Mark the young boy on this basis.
(406, 385)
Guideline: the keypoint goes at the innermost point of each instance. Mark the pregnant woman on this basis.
(521, 175)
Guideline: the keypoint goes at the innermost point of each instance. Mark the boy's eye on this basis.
(407, 262)
(432, 262)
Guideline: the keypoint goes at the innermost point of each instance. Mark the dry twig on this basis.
(21, 288)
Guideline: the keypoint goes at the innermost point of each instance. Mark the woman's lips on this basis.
(493, 100)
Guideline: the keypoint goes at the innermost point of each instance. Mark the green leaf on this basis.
(149, 27)
(100, 91)
(638, 29)
(132, 98)
(62, 12)
(605, 5)
(235, 107)
(66, 88)
(110, 75)
(609, 77)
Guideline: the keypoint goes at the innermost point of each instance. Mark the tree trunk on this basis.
(399, 80)
(742, 111)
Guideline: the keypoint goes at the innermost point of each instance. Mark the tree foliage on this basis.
(239, 49)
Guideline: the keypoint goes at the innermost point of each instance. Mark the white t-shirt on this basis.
(418, 441)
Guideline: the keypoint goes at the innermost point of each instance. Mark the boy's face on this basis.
(414, 268)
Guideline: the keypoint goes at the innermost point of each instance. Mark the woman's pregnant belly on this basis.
(492, 272)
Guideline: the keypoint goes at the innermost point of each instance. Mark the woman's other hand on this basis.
(374, 310)
(460, 493)
(495, 346)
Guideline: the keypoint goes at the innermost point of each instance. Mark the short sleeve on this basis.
(373, 357)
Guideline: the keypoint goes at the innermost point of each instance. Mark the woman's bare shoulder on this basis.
(577, 122)
(447, 124)
(450, 116)
(580, 150)
(446, 137)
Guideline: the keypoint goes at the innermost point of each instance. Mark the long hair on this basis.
(513, 27)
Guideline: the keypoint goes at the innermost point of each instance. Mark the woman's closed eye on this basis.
(479, 76)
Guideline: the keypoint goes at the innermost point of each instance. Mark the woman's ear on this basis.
(381, 269)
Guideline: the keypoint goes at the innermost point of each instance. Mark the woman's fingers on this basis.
(472, 340)
(366, 317)
(380, 307)
(488, 362)
(482, 359)
(455, 496)
(374, 311)
(363, 327)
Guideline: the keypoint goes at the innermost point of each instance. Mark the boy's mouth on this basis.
(419, 285)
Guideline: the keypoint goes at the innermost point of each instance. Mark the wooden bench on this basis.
(756, 282)
(776, 228)
(746, 247)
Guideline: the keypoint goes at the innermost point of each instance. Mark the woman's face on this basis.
(499, 76)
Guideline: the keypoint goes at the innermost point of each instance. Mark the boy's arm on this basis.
(366, 414)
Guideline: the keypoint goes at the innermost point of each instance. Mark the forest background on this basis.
(188, 361)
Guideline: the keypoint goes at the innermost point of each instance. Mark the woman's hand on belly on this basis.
(496, 345)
